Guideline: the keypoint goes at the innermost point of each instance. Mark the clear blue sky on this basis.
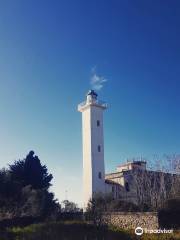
(47, 52)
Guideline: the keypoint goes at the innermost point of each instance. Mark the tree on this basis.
(38, 203)
(10, 191)
(97, 206)
(30, 171)
(68, 206)
(169, 215)
(124, 206)
(170, 164)
(24, 189)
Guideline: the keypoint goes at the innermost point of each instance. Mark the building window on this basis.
(99, 148)
(127, 186)
(98, 123)
(99, 175)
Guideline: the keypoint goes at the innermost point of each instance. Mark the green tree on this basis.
(97, 206)
(30, 171)
(68, 206)
(10, 191)
(24, 189)
(38, 203)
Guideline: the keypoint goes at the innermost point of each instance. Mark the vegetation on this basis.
(169, 215)
(24, 190)
(159, 183)
(64, 230)
(25, 198)
(101, 203)
(69, 207)
(78, 231)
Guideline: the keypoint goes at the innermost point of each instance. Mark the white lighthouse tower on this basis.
(93, 146)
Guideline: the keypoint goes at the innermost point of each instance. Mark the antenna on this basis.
(66, 194)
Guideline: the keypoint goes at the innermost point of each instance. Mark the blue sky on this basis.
(47, 52)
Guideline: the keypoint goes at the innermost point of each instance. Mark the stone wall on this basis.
(129, 220)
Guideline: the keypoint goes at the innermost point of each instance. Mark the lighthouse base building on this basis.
(131, 182)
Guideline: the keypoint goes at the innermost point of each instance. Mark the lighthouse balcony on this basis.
(97, 103)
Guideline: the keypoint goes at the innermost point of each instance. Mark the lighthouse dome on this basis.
(92, 93)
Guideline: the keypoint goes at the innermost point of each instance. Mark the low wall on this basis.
(131, 220)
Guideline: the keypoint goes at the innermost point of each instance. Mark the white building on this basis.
(93, 146)
(131, 181)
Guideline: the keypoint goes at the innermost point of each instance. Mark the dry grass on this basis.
(76, 230)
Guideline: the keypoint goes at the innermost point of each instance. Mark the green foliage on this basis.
(96, 206)
(67, 230)
(81, 230)
(30, 172)
(24, 189)
(173, 204)
(122, 206)
(68, 206)
(169, 215)
(102, 203)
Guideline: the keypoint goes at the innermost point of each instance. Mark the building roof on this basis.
(133, 162)
(108, 181)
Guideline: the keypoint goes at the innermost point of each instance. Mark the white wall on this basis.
(87, 163)
(93, 161)
(97, 138)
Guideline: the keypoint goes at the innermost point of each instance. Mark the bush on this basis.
(169, 215)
